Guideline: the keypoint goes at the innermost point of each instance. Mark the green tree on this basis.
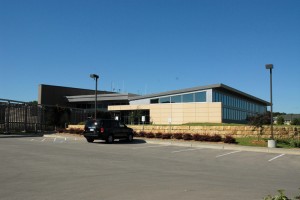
(295, 121)
(280, 120)
(259, 120)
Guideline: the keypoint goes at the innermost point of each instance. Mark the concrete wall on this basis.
(235, 131)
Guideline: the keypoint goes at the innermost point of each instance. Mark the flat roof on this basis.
(100, 97)
(193, 89)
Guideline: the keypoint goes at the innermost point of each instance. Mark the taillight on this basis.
(101, 130)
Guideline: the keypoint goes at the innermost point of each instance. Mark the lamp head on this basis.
(94, 76)
(269, 66)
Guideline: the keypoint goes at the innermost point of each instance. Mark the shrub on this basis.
(136, 134)
(149, 135)
(158, 135)
(215, 138)
(196, 137)
(280, 120)
(295, 143)
(295, 121)
(177, 136)
(166, 136)
(142, 134)
(187, 136)
(60, 130)
(71, 130)
(204, 138)
(78, 131)
(229, 139)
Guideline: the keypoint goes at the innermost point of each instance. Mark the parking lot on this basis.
(71, 168)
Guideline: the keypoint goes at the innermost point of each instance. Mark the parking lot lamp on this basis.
(95, 77)
(272, 142)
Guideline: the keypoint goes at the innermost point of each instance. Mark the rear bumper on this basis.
(94, 135)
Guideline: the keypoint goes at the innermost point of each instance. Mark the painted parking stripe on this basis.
(276, 157)
(43, 140)
(185, 150)
(227, 154)
(151, 147)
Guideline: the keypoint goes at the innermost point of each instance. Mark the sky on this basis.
(151, 46)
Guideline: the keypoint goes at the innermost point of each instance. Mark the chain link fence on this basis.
(17, 116)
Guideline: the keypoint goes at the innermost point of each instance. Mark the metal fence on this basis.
(17, 116)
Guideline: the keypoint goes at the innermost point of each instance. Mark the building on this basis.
(80, 98)
(216, 103)
(288, 118)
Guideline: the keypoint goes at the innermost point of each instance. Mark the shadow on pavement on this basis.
(135, 141)
(20, 135)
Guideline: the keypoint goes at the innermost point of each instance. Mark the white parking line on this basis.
(276, 157)
(151, 147)
(54, 140)
(32, 140)
(43, 140)
(227, 154)
(184, 150)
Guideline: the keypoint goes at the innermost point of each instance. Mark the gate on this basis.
(17, 116)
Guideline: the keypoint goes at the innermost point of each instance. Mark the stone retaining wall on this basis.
(235, 131)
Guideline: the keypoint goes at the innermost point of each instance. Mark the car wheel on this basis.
(90, 140)
(130, 138)
(110, 139)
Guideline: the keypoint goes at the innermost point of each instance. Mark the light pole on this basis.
(95, 77)
(272, 142)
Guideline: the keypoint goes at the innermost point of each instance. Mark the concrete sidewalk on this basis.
(208, 145)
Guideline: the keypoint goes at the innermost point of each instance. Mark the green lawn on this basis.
(254, 141)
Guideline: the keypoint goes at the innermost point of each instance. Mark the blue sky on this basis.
(150, 46)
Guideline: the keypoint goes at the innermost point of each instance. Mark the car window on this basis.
(90, 123)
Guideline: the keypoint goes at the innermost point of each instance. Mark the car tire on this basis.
(130, 138)
(89, 140)
(110, 139)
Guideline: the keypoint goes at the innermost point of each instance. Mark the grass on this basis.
(263, 142)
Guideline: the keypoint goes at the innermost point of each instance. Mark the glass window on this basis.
(176, 99)
(188, 98)
(154, 101)
(164, 100)
(200, 97)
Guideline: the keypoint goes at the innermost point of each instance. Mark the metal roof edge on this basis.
(211, 86)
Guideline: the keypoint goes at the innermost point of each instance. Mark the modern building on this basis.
(216, 103)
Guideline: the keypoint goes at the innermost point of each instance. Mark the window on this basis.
(200, 97)
(176, 99)
(164, 100)
(154, 101)
(188, 98)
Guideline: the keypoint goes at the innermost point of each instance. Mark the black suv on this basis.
(107, 129)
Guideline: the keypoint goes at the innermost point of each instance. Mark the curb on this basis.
(204, 145)
(225, 147)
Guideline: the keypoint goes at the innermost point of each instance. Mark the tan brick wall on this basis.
(179, 113)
